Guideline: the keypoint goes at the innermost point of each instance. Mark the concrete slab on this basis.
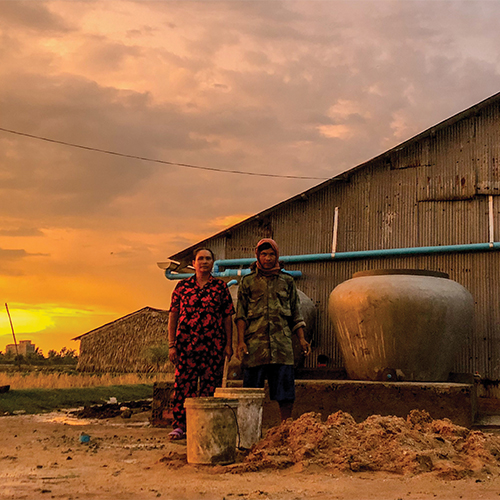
(487, 421)
(362, 399)
(455, 401)
(488, 413)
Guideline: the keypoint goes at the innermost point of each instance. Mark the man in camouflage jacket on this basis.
(267, 315)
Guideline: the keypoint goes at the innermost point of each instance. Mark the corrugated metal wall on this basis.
(218, 247)
(430, 191)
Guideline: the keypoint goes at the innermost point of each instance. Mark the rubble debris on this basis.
(108, 410)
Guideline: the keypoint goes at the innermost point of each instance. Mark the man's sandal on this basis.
(177, 434)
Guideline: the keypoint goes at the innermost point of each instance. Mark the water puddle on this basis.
(62, 418)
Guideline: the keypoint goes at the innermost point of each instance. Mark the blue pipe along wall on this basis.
(321, 257)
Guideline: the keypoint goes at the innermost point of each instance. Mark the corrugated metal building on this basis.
(439, 188)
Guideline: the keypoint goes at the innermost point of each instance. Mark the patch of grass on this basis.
(44, 400)
(65, 380)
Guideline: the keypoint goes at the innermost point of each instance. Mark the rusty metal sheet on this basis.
(436, 185)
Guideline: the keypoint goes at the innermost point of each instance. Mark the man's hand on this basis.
(305, 346)
(241, 350)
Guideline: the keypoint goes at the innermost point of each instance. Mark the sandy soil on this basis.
(41, 456)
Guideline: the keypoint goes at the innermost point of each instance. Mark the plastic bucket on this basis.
(211, 430)
(249, 412)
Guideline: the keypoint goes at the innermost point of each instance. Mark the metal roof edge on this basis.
(119, 319)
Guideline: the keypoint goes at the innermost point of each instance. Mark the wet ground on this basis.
(42, 456)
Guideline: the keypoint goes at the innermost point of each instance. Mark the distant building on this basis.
(127, 344)
(23, 347)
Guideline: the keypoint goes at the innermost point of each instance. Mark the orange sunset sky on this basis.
(297, 88)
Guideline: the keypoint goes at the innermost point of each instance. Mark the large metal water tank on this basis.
(401, 324)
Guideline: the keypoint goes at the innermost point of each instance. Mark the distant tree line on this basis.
(54, 358)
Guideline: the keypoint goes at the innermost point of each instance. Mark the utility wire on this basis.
(163, 162)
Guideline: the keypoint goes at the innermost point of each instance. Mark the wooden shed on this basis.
(432, 203)
(137, 342)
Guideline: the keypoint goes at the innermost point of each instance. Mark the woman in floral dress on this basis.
(199, 334)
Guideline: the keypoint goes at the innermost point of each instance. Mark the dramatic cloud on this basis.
(32, 17)
(285, 87)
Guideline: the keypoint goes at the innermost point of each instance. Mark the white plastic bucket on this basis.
(249, 412)
(211, 430)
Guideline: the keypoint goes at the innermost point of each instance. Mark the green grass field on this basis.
(44, 400)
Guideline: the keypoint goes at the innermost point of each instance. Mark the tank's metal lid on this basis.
(411, 272)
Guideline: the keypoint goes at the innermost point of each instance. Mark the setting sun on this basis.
(48, 326)
(26, 321)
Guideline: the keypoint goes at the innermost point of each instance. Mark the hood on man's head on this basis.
(267, 243)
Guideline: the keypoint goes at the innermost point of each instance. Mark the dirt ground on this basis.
(388, 458)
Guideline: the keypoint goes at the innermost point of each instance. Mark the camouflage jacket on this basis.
(270, 309)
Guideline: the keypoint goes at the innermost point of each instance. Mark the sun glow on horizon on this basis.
(48, 326)
(26, 320)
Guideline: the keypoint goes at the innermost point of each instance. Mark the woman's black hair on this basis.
(198, 250)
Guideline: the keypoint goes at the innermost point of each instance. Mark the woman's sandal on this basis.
(177, 434)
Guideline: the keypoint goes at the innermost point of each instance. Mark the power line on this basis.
(163, 162)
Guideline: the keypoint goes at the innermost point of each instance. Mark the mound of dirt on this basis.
(413, 445)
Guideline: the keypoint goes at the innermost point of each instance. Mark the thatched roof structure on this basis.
(137, 342)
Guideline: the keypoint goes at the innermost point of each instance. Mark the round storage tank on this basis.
(401, 324)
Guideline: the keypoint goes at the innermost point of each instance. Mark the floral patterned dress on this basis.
(200, 340)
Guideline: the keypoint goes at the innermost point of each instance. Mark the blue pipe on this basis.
(225, 274)
(319, 257)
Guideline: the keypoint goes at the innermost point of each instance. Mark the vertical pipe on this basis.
(490, 206)
(335, 231)
(12, 328)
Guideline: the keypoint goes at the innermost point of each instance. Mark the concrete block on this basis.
(361, 399)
